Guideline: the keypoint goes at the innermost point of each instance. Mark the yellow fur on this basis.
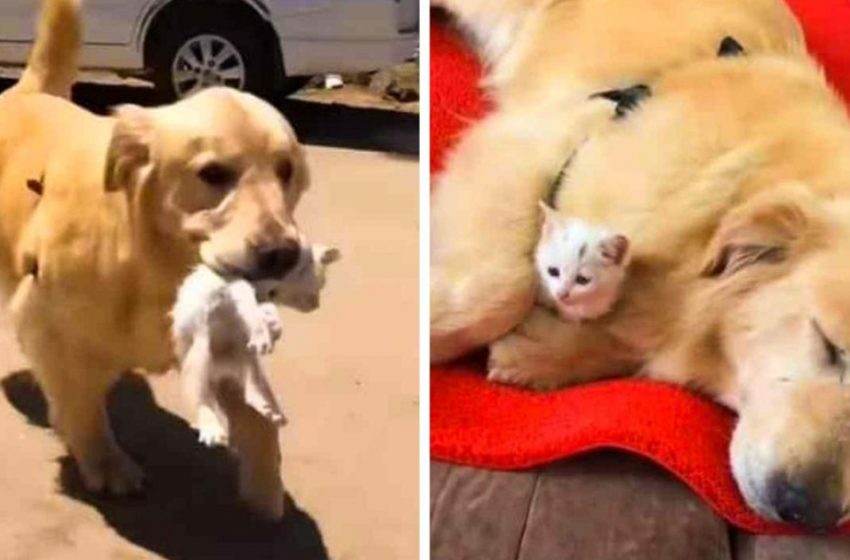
(52, 66)
(733, 182)
(123, 218)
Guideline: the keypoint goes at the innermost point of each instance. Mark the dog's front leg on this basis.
(76, 391)
(546, 352)
(75, 384)
(485, 220)
(254, 438)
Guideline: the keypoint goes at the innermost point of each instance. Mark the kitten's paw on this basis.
(212, 435)
(211, 432)
(261, 341)
(276, 417)
(271, 316)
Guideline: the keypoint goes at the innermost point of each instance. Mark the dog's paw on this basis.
(517, 359)
(111, 471)
(503, 366)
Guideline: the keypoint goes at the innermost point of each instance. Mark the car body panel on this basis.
(316, 36)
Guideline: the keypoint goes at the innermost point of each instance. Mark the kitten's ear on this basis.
(550, 216)
(327, 255)
(614, 249)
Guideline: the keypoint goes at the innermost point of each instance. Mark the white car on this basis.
(262, 46)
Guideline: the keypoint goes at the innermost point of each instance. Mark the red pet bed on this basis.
(485, 425)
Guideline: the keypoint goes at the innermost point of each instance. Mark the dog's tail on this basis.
(52, 66)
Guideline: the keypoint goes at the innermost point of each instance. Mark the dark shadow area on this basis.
(319, 124)
(348, 127)
(190, 510)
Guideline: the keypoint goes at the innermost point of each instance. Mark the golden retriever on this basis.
(732, 180)
(130, 204)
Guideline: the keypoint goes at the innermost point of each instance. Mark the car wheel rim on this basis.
(204, 61)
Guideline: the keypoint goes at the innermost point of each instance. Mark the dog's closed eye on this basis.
(835, 356)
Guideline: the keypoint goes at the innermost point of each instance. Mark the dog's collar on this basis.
(627, 100)
(730, 47)
(36, 185)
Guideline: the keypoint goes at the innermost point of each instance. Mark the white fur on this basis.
(221, 328)
(576, 275)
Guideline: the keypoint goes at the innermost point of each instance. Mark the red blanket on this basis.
(476, 423)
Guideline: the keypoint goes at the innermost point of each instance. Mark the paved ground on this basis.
(347, 375)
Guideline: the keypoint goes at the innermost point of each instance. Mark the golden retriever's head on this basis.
(222, 170)
(782, 265)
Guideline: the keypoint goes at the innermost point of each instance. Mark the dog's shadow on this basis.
(190, 509)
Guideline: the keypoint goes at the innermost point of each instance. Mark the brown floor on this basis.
(603, 506)
(346, 374)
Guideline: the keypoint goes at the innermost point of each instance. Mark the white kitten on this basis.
(580, 266)
(222, 326)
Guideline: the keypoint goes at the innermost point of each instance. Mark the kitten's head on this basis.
(300, 288)
(574, 258)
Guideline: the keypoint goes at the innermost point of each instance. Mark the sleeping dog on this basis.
(732, 184)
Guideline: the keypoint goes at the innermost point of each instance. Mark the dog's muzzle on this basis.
(810, 506)
(275, 262)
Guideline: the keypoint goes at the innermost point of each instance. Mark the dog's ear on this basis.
(130, 148)
(761, 231)
(301, 171)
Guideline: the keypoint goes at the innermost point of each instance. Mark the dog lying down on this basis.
(221, 328)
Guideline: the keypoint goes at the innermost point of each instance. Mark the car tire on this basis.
(210, 51)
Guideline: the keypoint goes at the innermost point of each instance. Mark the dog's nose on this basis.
(797, 504)
(277, 261)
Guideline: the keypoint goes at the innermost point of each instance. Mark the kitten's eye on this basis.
(217, 175)
(835, 356)
(582, 280)
(553, 272)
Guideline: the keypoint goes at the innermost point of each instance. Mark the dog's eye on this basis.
(835, 356)
(553, 272)
(582, 280)
(217, 175)
(285, 171)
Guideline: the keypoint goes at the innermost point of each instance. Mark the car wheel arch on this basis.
(161, 12)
